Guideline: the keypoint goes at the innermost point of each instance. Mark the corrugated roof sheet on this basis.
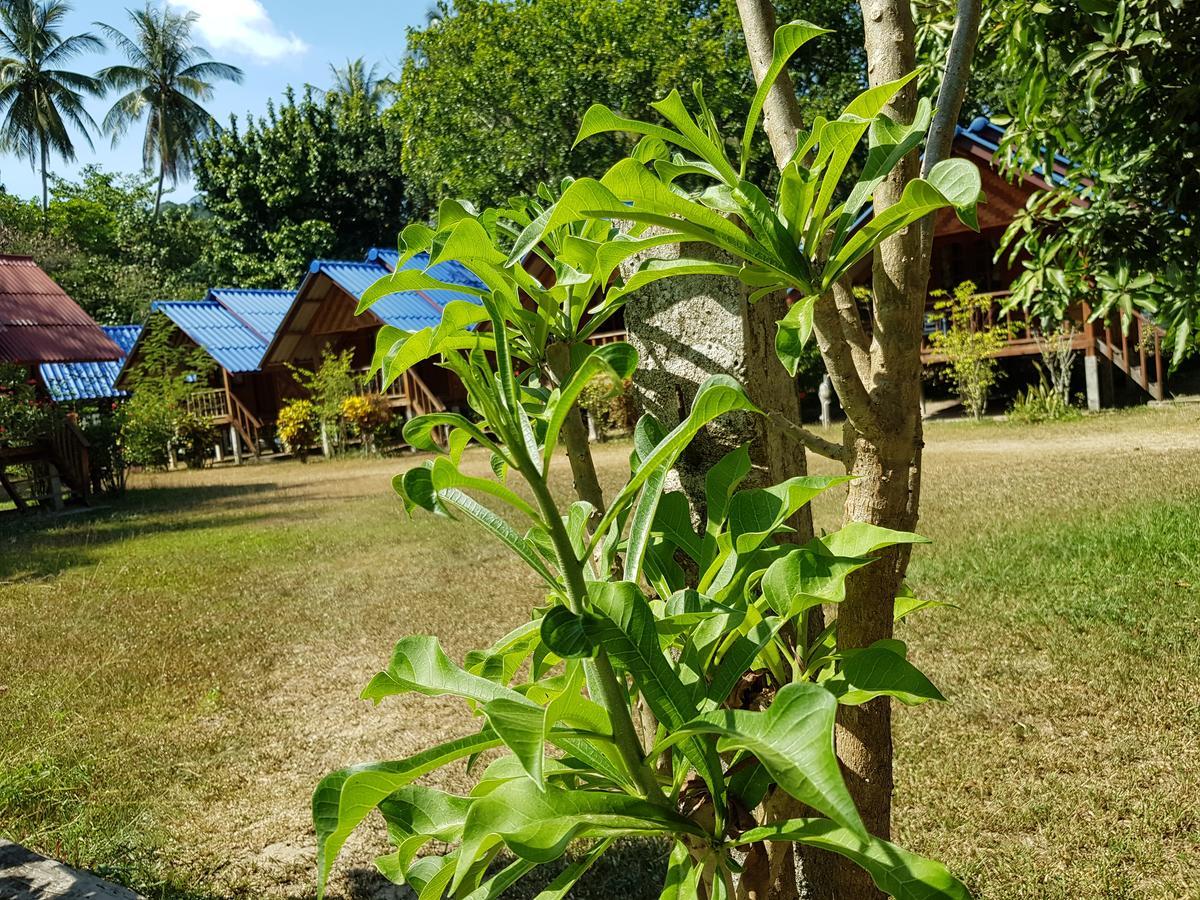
(410, 310)
(262, 310)
(40, 323)
(224, 337)
(450, 271)
(90, 380)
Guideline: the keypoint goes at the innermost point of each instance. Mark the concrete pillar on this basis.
(825, 395)
(172, 459)
(326, 449)
(235, 441)
(218, 450)
(1091, 375)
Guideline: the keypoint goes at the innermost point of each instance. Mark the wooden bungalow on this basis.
(323, 318)
(233, 326)
(960, 254)
(41, 325)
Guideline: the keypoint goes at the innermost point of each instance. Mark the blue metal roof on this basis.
(235, 346)
(90, 380)
(262, 310)
(451, 271)
(410, 310)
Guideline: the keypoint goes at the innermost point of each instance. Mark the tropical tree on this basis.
(356, 78)
(39, 100)
(167, 77)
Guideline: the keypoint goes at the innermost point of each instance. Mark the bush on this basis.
(193, 439)
(1042, 402)
(607, 404)
(297, 426)
(106, 450)
(24, 417)
(147, 429)
(365, 414)
(969, 346)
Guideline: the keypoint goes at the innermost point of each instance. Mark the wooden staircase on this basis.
(220, 406)
(1132, 345)
(60, 465)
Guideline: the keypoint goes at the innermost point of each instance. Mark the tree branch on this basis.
(954, 83)
(809, 439)
(781, 113)
(839, 362)
(852, 328)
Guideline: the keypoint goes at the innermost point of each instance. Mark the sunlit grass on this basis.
(178, 670)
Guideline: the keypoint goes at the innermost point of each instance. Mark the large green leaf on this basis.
(718, 395)
(788, 39)
(565, 880)
(653, 270)
(895, 871)
(617, 360)
(537, 825)
(793, 739)
(880, 670)
(416, 815)
(792, 333)
(408, 280)
(420, 664)
(863, 538)
(345, 797)
(808, 576)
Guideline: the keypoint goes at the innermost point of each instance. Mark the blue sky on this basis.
(275, 42)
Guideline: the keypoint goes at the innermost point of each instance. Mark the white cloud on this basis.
(241, 26)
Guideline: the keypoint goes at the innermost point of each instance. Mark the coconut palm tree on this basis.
(40, 100)
(356, 79)
(167, 77)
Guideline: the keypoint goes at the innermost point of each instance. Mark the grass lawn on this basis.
(177, 671)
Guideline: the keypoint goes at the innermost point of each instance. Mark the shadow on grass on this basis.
(37, 547)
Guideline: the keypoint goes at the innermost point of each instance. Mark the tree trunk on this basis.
(162, 174)
(45, 184)
(575, 437)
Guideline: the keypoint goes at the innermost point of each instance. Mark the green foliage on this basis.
(489, 100)
(298, 427)
(968, 345)
(1041, 402)
(608, 405)
(102, 244)
(162, 379)
(193, 439)
(625, 626)
(1111, 84)
(329, 387)
(24, 417)
(315, 176)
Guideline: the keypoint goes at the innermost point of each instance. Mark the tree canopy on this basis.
(492, 92)
(315, 176)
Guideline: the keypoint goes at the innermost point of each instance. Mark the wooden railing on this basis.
(1133, 345)
(608, 337)
(212, 405)
(246, 423)
(69, 455)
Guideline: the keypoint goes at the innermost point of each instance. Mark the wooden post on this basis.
(1091, 362)
(1160, 382)
(1145, 376)
(55, 487)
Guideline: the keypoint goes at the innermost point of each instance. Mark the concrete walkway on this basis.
(24, 875)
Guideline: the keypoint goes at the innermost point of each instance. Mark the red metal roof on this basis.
(39, 323)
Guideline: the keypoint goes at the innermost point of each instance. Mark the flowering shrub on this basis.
(366, 414)
(297, 427)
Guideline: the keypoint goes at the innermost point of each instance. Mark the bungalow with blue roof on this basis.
(323, 317)
(233, 326)
(960, 254)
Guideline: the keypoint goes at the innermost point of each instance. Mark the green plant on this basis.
(330, 386)
(802, 243)
(1041, 402)
(607, 404)
(193, 438)
(366, 414)
(968, 345)
(106, 451)
(670, 660)
(24, 416)
(298, 427)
